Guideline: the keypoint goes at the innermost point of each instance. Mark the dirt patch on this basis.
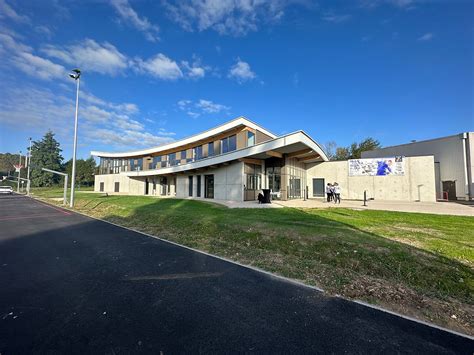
(450, 313)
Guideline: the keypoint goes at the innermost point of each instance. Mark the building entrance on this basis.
(449, 189)
(319, 188)
(253, 181)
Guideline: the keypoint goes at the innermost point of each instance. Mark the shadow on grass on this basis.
(310, 246)
(298, 233)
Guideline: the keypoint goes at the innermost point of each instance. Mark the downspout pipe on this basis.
(465, 156)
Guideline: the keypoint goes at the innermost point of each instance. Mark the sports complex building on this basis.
(237, 159)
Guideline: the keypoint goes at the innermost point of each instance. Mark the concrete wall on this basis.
(228, 182)
(129, 186)
(418, 183)
(447, 151)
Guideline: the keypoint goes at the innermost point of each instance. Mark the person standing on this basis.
(329, 192)
(337, 193)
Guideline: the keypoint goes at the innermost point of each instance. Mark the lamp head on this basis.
(76, 73)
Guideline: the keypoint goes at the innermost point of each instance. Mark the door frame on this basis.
(324, 184)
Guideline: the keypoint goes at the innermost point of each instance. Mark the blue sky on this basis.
(157, 71)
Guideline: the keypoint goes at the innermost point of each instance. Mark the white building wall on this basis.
(418, 183)
(127, 185)
(447, 151)
(228, 182)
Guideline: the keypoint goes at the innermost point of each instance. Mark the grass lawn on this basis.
(417, 264)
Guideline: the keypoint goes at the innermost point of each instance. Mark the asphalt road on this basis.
(71, 284)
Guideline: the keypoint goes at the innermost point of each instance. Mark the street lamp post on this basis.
(19, 173)
(76, 74)
(28, 185)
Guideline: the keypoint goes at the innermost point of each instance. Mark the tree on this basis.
(6, 163)
(45, 154)
(85, 171)
(367, 144)
(330, 149)
(342, 153)
(354, 151)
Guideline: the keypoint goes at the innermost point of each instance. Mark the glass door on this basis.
(209, 186)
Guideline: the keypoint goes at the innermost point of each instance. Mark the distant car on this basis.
(6, 190)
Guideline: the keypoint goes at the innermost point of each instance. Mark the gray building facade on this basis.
(453, 158)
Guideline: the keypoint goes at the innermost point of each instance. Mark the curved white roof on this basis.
(239, 121)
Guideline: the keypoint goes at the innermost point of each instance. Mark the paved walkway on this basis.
(446, 208)
(73, 284)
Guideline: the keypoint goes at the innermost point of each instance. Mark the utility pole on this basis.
(19, 172)
(28, 185)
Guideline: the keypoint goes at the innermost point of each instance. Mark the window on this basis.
(210, 149)
(250, 138)
(229, 144)
(209, 186)
(136, 164)
(198, 152)
(183, 154)
(190, 186)
(117, 187)
(156, 162)
(172, 159)
(273, 170)
(295, 187)
(198, 187)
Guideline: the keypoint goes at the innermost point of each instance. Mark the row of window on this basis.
(228, 144)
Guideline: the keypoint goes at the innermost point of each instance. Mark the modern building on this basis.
(235, 160)
(453, 159)
(227, 162)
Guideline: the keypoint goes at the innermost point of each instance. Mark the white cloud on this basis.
(160, 66)
(6, 11)
(196, 70)
(196, 109)
(38, 67)
(44, 30)
(241, 72)
(330, 17)
(182, 104)
(8, 42)
(233, 17)
(402, 4)
(426, 37)
(100, 122)
(129, 16)
(90, 56)
(211, 107)
(15, 54)
(193, 71)
(193, 114)
(128, 108)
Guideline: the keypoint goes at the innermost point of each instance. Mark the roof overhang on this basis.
(304, 148)
(240, 121)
